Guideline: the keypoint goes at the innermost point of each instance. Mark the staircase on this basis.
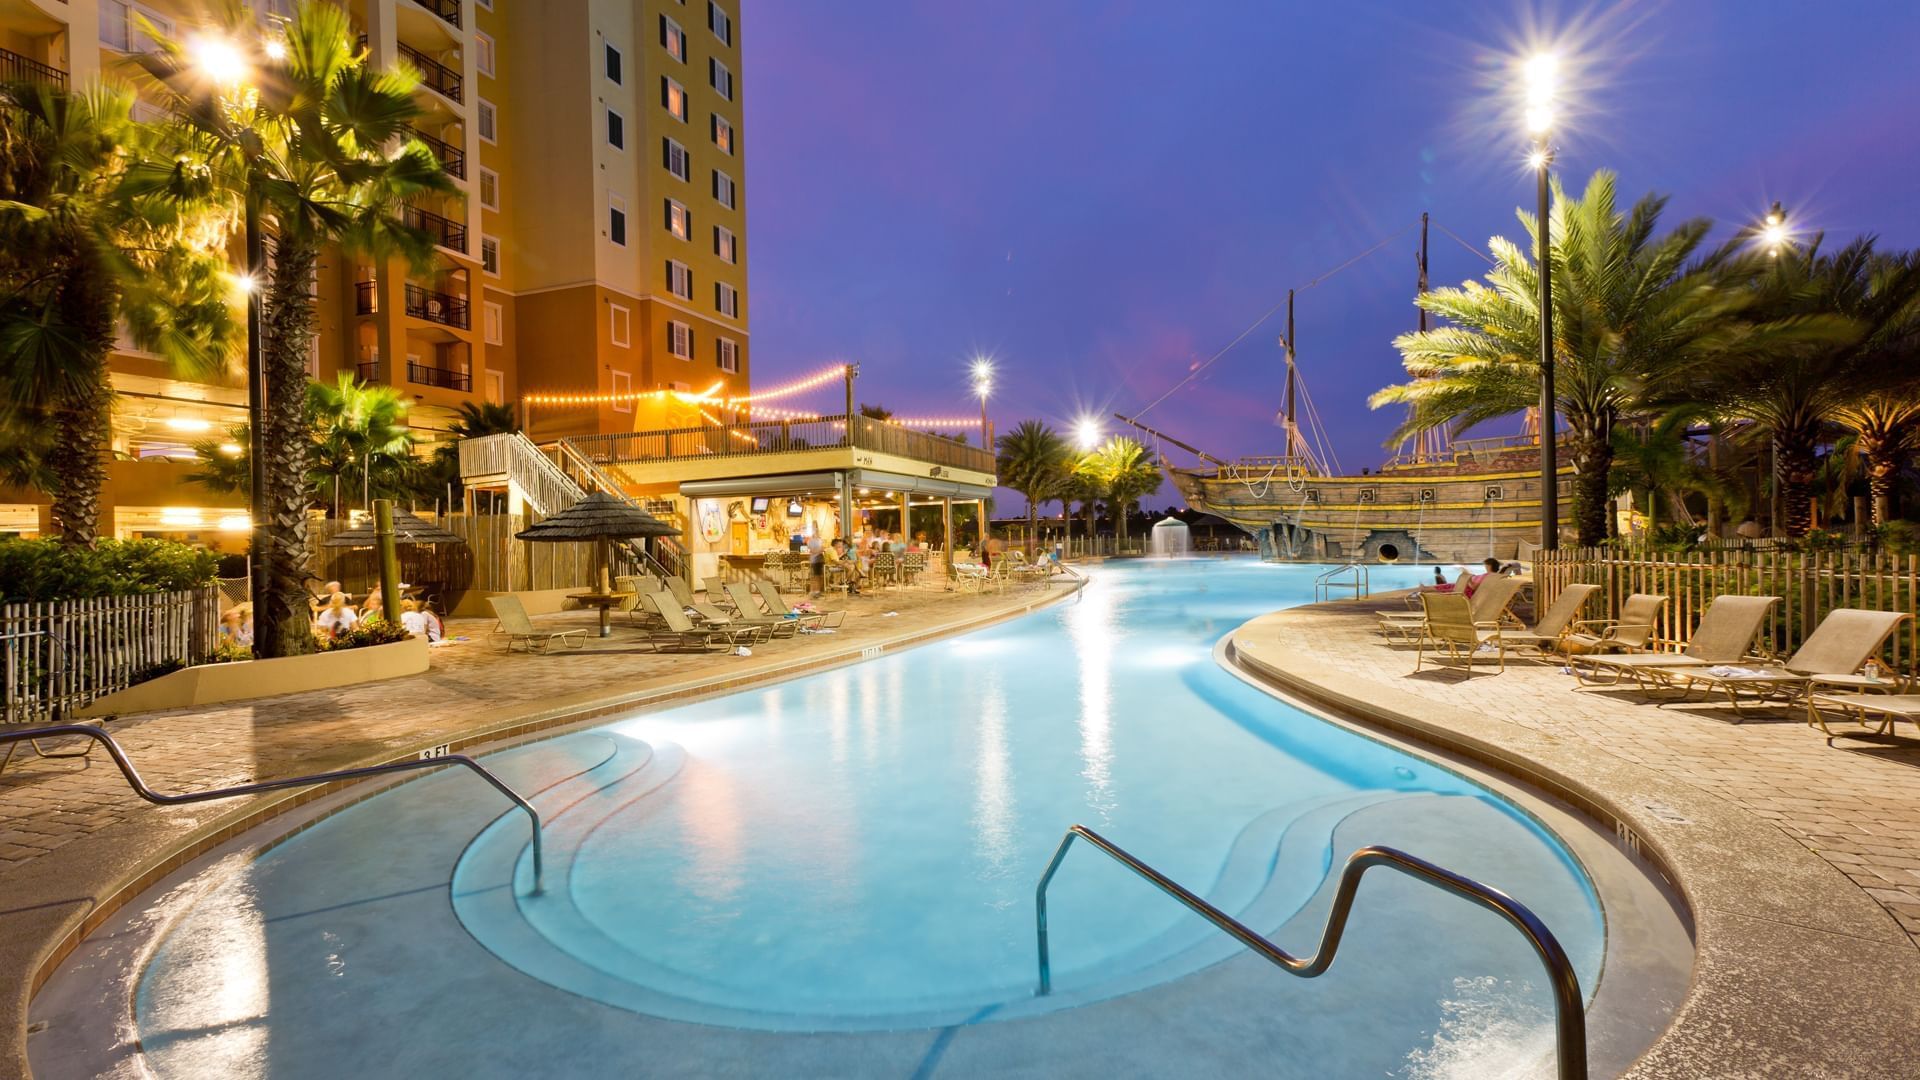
(550, 486)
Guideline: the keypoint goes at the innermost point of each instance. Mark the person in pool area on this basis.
(1468, 581)
(816, 564)
(336, 618)
(844, 554)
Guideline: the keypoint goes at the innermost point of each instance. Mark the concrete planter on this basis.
(209, 684)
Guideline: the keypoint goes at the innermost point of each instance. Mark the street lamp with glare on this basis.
(1542, 72)
(1773, 232)
(1086, 432)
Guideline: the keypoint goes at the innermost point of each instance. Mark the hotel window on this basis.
(673, 97)
(718, 22)
(489, 122)
(616, 130)
(483, 54)
(120, 29)
(723, 244)
(613, 65)
(490, 255)
(720, 78)
(726, 300)
(729, 355)
(679, 280)
(722, 133)
(493, 319)
(679, 222)
(313, 357)
(723, 188)
(617, 220)
(485, 5)
(621, 385)
(489, 189)
(675, 157)
(620, 325)
(673, 39)
(680, 340)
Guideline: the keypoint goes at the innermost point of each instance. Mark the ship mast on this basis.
(1431, 444)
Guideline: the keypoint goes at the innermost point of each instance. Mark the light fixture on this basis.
(1539, 120)
(236, 523)
(1537, 159)
(275, 49)
(219, 60)
(231, 449)
(1086, 431)
(1773, 232)
(982, 369)
(245, 284)
(188, 424)
(180, 516)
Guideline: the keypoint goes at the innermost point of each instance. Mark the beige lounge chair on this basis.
(513, 624)
(1891, 708)
(762, 626)
(1725, 636)
(777, 608)
(1555, 621)
(1629, 633)
(1489, 604)
(747, 609)
(1450, 624)
(1831, 656)
(680, 635)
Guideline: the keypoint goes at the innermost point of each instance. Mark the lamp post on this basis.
(1773, 230)
(1541, 72)
(983, 386)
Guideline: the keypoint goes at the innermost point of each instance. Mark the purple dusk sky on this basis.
(1102, 195)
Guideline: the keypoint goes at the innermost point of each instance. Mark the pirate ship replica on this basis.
(1437, 500)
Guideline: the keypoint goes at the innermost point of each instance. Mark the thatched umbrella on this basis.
(601, 517)
(407, 529)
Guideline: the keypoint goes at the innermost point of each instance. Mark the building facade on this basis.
(595, 244)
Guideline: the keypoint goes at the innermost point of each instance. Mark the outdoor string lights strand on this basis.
(1257, 323)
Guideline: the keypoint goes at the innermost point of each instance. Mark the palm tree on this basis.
(99, 226)
(1824, 331)
(361, 440)
(1031, 459)
(1886, 427)
(1126, 472)
(474, 421)
(1656, 460)
(1083, 483)
(1628, 307)
(317, 148)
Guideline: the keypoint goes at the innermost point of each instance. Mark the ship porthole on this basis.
(1388, 553)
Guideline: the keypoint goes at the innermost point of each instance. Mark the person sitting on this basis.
(849, 563)
(1468, 581)
(419, 623)
(236, 624)
(317, 603)
(337, 618)
(374, 606)
(816, 565)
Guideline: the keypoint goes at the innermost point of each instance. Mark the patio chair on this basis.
(1629, 633)
(777, 605)
(762, 626)
(1891, 708)
(682, 592)
(678, 634)
(517, 628)
(782, 622)
(912, 565)
(717, 594)
(886, 569)
(1545, 633)
(1831, 656)
(1489, 604)
(1725, 636)
(1450, 624)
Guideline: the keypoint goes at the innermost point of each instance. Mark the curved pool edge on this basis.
(1764, 988)
(59, 903)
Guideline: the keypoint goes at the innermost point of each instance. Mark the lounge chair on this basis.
(1890, 707)
(743, 600)
(1725, 636)
(1554, 622)
(747, 610)
(762, 626)
(680, 635)
(1629, 633)
(1831, 656)
(1488, 604)
(969, 577)
(1450, 624)
(514, 625)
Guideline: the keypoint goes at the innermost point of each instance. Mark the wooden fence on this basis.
(491, 560)
(58, 656)
(1808, 584)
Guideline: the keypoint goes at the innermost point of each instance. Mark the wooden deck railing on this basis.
(1808, 584)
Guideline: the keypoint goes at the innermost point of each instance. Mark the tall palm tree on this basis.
(1824, 331)
(1127, 472)
(316, 146)
(99, 226)
(1031, 459)
(1886, 426)
(362, 444)
(1627, 308)
(1655, 460)
(1083, 483)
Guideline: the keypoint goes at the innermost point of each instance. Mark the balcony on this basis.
(445, 378)
(366, 297)
(16, 68)
(434, 75)
(452, 158)
(449, 10)
(446, 233)
(369, 371)
(439, 307)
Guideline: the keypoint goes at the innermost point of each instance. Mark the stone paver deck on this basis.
(50, 884)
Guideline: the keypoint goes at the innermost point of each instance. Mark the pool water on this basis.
(857, 851)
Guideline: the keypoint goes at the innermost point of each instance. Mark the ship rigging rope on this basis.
(1456, 239)
(1271, 312)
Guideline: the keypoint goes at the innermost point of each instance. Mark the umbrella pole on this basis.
(389, 560)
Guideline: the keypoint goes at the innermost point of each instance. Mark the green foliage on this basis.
(362, 444)
(1897, 537)
(1123, 471)
(227, 652)
(38, 570)
(370, 631)
(443, 468)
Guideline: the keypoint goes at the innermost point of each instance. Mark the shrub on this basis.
(374, 631)
(38, 570)
(1897, 537)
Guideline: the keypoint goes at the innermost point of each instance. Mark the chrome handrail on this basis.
(141, 789)
(1570, 1019)
(1361, 584)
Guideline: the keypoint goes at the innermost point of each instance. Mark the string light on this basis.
(822, 378)
(935, 422)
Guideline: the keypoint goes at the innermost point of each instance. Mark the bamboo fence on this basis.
(491, 560)
(1808, 584)
(57, 656)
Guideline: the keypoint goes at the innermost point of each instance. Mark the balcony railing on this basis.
(452, 158)
(779, 437)
(434, 75)
(445, 378)
(366, 297)
(369, 371)
(446, 9)
(438, 307)
(446, 233)
(17, 68)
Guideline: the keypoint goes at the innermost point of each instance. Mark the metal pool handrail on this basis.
(141, 789)
(1324, 585)
(1570, 1019)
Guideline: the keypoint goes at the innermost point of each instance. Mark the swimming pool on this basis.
(853, 854)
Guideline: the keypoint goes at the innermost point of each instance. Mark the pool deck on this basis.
(1799, 860)
(54, 890)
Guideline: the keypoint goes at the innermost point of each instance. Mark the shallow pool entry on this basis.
(857, 851)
